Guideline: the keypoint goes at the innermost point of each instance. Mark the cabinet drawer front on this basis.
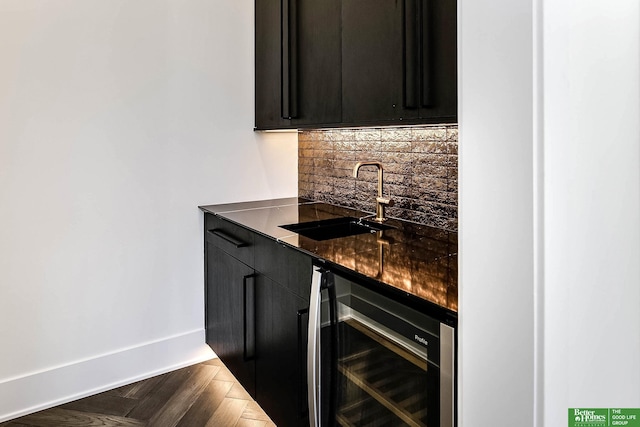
(283, 265)
(231, 238)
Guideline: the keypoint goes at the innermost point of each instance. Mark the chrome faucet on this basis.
(381, 201)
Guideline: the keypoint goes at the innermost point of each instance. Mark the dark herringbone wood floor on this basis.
(201, 395)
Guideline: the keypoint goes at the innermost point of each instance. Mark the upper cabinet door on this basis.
(298, 69)
(268, 76)
(399, 61)
(438, 62)
(318, 62)
(373, 62)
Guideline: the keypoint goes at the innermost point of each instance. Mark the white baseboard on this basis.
(44, 389)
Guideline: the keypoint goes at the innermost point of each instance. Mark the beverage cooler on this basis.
(374, 361)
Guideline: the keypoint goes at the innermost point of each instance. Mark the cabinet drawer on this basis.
(233, 239)
(283, 265)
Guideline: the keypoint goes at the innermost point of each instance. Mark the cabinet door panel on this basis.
(230, 329)
(439, 60)
(318, 62)
(373, 62)
(280, 360)
(268, 89)
(297, 62)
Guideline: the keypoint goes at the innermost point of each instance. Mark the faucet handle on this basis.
(387, 201)
(381, 204)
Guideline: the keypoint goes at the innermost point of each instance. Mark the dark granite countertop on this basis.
(416, 259)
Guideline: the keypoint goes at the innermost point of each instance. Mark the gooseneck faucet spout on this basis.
(381, 202)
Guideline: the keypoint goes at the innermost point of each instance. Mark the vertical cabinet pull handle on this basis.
(302, 384)
(249, 317)
(418, 79)
(289, 37)
(411, 57)
(426, 54)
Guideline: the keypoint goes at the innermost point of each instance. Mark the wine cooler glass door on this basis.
(377, 362)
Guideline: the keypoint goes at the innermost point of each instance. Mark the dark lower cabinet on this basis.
(256, 316)
(280, 362)
(230, 314)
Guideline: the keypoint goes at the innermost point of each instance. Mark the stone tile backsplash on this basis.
(420, 170)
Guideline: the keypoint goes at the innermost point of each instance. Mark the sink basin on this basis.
(335, 227)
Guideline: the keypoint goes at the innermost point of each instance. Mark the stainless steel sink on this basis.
(334, 228)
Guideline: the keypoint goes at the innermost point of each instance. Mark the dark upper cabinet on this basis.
(268, 75)
(297, 59)
(373, 61)
(399, 61)
(438, 55)
(355, 62)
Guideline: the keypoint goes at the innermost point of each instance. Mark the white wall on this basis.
(549, 209)
(117, 119)
(496, 300)
(592, 205)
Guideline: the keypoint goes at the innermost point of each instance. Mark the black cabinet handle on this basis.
(418, 54)
(228, 238)
(411, 56)
(289, 37)
(303, 409)
(426, 54)
(249, 318)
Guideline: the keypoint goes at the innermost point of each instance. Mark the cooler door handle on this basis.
(313, 349)
(447, 377)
